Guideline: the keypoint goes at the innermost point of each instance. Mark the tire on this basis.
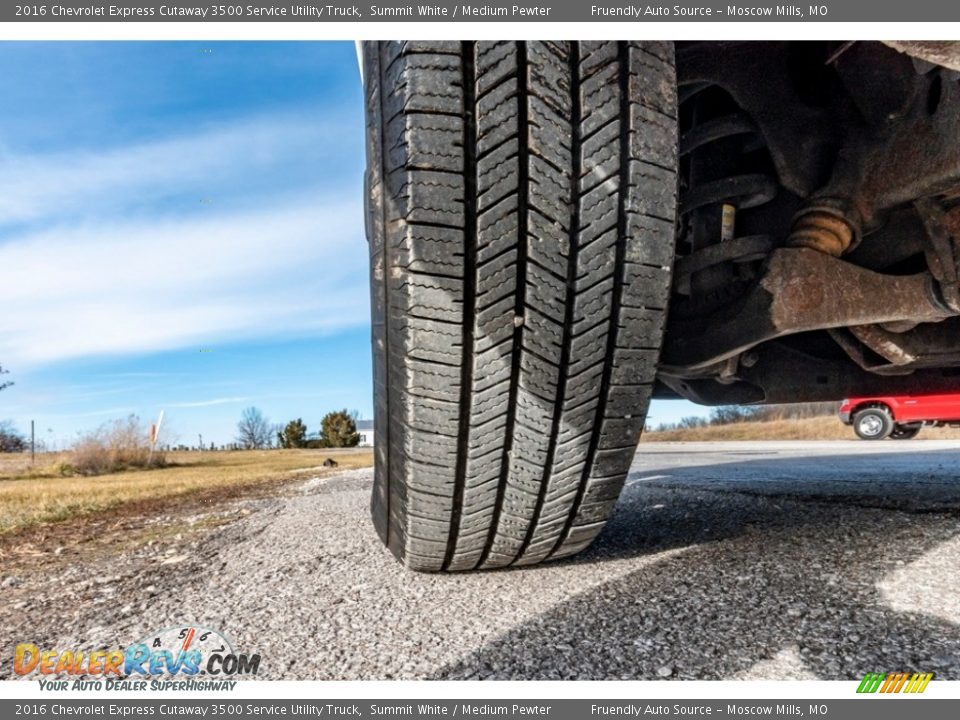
(905, 432)
(521, 204)
(873, 424)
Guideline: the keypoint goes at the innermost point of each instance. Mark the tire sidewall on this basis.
(873, 424)
(904, 432)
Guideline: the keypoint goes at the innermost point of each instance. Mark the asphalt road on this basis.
(777, 560)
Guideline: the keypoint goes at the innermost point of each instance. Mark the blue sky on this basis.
(181, 228)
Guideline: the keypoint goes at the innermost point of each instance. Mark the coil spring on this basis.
(711, 151)
(713, 192)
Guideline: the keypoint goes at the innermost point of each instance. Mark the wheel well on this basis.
(868, 405)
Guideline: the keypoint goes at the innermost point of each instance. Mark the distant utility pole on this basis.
(33, 444)
(201, 442)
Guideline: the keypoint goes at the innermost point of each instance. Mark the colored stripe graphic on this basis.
(901, 679)
(913, 684)
(889, 682)
(870, 683)
(895, 683)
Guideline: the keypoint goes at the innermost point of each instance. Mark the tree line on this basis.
(338, 429)
(10, 439)
(730, 414)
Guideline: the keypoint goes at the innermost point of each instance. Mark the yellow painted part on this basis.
(728, 219)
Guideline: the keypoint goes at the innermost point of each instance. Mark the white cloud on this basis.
(209, 403)
(143, 286)
(40, 187)
(93, 272)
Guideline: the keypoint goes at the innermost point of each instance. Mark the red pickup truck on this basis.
(901, 417)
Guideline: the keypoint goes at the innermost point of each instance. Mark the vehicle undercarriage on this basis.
(819, 222)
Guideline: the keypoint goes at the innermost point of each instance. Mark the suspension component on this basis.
(800, 290)
(823, 225)
(943, 246)
(721, 177)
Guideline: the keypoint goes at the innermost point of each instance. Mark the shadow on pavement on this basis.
(754, 576)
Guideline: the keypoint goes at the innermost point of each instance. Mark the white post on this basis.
(154, 436)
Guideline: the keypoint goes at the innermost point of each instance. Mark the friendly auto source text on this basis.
(732, 710)
(638, 12)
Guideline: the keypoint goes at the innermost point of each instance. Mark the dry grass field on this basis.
(817, 428)
(39, 494)
(32, 495)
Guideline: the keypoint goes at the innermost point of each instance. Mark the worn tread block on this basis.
(520, 201)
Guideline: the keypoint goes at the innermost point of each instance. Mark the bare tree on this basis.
(254, 431)
(11, 440)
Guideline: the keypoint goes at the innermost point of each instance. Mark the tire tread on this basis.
(520, 266)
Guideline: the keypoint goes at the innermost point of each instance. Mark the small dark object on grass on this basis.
(330, 462)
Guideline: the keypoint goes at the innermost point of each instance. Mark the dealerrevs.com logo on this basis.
(177, 652)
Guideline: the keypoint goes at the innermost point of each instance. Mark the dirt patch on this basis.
(44, 547)
(114, 566)
(37, 498)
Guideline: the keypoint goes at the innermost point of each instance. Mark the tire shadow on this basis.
(747, 565)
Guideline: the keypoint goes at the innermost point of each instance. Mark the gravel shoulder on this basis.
(787, 560)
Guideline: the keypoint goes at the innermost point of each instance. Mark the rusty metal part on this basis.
(738, 250)
(727, 370)
(782, 373)
(882, 84)
(901, 239)
(945, 53)
(857, 352)
(916, 154)
(899, 147)
(745, 191)
(825, 228)
(901, 326)
(894, 352)
(703, 134)
(802, 138)
(943, 248)
(800, 290)
(883, 343)
(717, 176)
(951, 222)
